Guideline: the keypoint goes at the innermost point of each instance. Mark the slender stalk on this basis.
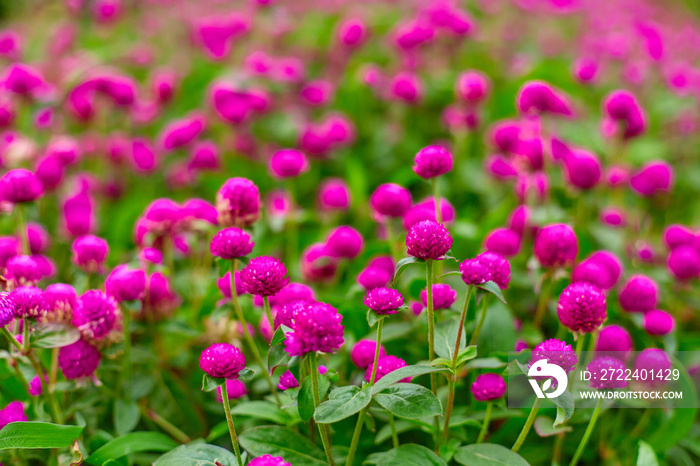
(167, 426)
(355, 437)
(528, 424)
(53, 402)
(268, 313)
(126, 362)
(451, 384)
(11, 338)
(587, 434)
(485, 424)
(436, 197)
(22, 227)
(25, 336)
(462, 320)
(431, 338)
(544, 299)
(480, 324)
(380, 325)
(246, 332)
(394, 435)
(229, 421)
(323, 428)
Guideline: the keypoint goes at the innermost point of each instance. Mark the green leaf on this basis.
(565, 407)
(492, 288)
(446, 337)
(305, 400)
(646, 455)
(544, 426)
(197, 455)
(278, 337)
(402, 373)
(466, 354)
(488, 454)
(131, 443)
(409, 400)
(276, 357)
(260, 410)
(281, 441)
(246, 374)
(401, 265)
(485, 363)
(210, 383)
(342, 403)
(449, 274)
(373, 318)
(126, 416)
(406, 455)
(38, 435)
(54, 335)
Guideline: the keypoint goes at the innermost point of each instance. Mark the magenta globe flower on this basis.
(344, 242)
(334, 194)
(386, 365)
(35, 386)
(432, 161)
(583, 169)
(231, 243)
(317, 327)
(503, 241)
(538, 97)
(498, 267)
(605, 373)
(287, 381)
(373, 277)
(582, 307)
(658, 322)
(613, 340)
(235, 389)
(238, 202)
(7, 308)
(13, 412)
(269, 460)
(428, 240)
(684, 263)
(29, 302)
(23, 270)
(639, 294)
(678, 235)
(652, 178)
(78, 360)
(474, 272)
(125, 284)
(488, 387)
(352, 33)
(391, 200)
(95, 315)
(652, 361)
(316, 264)
(443, 296)
(264, 276)
(556, 245)
(19, 186)
(362, 354)
(384, 301)
(288, 163)
(555, 352)
(160, 300)
(472, 87)
(60, 300)
(90, 253)
(222, 360)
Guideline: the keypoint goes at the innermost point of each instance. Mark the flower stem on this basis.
(268, 313)
(528, 424)
(169, 427)
(394, 435)
(229, 421)
(25, 336)
(544, 299)
(322, 428)
(246, 333)
(126, 362)
(485, 424)
(391, 239)
(587, 434)
(480, 324)
(53, 402)
(436, 197)
(22, 226)
(380, 325)
(355, 437)
(11, 338)
(431, 338)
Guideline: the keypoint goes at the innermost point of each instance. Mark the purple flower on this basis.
(352, 32)
(264, 276)
(583, 169)
(386, 365)
(7, 308)
(443, 296)
(222, 360)
(125, 284)
(287, 381)
(602, 269)
(161, 300)
(684, 262)
(231, 243)
(658, 322)
(316, 264)
(38, 238)
(607, 372)
(9, 248)
(235, 389)
(23, 270)
(383, 301)
(285, 313)
(95, 315)
(79, 359)
(652, 178)
(334, 194)
(23, 79)
(652, 360)
(90, 253)
(317, 327)
(13, 412)
(488, 387)
(373, 277)
(288, 163)
(35, 386)
(182, 132)
(224, 284)
(362, 354)
(345, 242)
(474, 272)
(432, 161)
(622, 107)
(406, 86)
(555, 352)
(613, 339)
(60, 300)
(537, 97)
(503, 241)
(472, 87)
(582, 307)
(391, 200)
(29, 302)
(678, 235)
(428, 240)
(498, 268)
(556, 245)
(238, 202)
(269, 460)
(19, 186)
(425, 210)
(204, 155)
(639, 294)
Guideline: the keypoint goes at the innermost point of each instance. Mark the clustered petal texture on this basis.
(13, 412)
(428, 240)
(386, 365)
(488, 387)
(287, 381)
(29, 302)
(238, 203)
(79, 359)
(23, 270)
(95, 315)
(555, 352)
(432, 161)
(269, 460)
(556, 245)
(316, 327)
(607, 373)
(60, 300)
(222, 360)
(488, 266)
(383, 300)
(443, 296)
(264, 276)
(362, 354)
(231, 243)
(20, 185)
(582, 307)
(7, 308)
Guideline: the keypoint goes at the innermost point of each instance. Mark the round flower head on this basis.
(583, 169)
(125, 284)
(334, 194)
(391, 200)
(556, 245)
(285, 313)
(316, 264)
(197, 211)
(316, 327)
(95, 314)
(235, 389)
(555, 352)
(432, 161)
(373, 277)
(503, 241)
(386, 365)
(639, 294)
(19, 186)
(238, 202)
(38, 238)
(652, 178)
(406, 86)
(222, 360)
(488, 387)
(9, 248)
(287, 381)
(474, 272)
(384, 301)
(79, 359)
(684, 262)
(288, 163)
(90, 253)
(537, 97)
(60, 300)
(23, 270)
(443, 296)
(269, 460)
(678, 235)
(29, 302)
(7, 308)
(35, 386)
(13, 412)
(581, 307)
(428, 240)
(652, 360)
(352, 32)
(472, 87)
(362, 354)
(264, 276)
(601, 369)
(345, 242)
(161, 300)
(231, 243)
(151, 256)
(425, 210)
(658, 322)
(612, 340)
(590, 272)
(498, 267)
(613, 217)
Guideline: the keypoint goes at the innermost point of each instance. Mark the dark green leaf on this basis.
(492, 288)
(305, 400)
(126, 416)
(402, 373)
(276, 357)
(407, 455)
(342, 403)
(131, 443)
(544, 426)
(565, 407)
(38, 435)
(197, 455)
(260, 410)
(488, 454)
(278, 337)
(446, 337)
(54, 335)
(280, 441)
(401, 265)
(210, 383)
(408, 400)
(466, 354)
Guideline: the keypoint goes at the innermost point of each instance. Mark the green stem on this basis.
(431, 338)
(22, 226)
(268, 313)
(544, 299)
(126, 363)
(485, 424)
(394, 435)
(11, 338)
(53, 402)
(246, 333)
(169, 427)
(528, 424)
(355, 437)
(25, 336)
(436, 197)
(587, 434)
(229, 421)
(380, 325)
(480, 324)
(322, 428)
